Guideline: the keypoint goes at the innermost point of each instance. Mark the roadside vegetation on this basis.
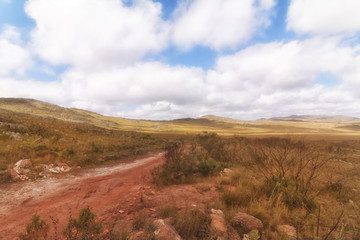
(51, 141)
(85, 227)
(311, 185)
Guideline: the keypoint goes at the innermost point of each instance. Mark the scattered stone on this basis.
(138, 235)
(287, 230)
(13, 174)
(244, 223)
(56, 168)
(245, 237)
(164, 231)
(226, 172)
(151, 193)
(24, 163)
(21, 168)
(121, 211)
(15, 136)
(64, 167)
(218, 222)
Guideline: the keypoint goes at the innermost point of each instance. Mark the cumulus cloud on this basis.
(219, 24)
(137, 84)
(105, 43)
(14, 58)
(94, 34)
(324, 17)
(277, 78)
(283, 65)
(29, 88)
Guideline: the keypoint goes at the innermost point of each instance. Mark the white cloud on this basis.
(281, 78)
(105, 44)
(264, 80)
(325, 17)
(94, 34)
(136, 84)
(14, 58)
(280, 65)
(219, 24)
(46, 91)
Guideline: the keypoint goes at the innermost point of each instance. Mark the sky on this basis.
(169, 59)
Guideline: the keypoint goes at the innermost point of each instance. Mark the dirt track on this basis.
(102, 189)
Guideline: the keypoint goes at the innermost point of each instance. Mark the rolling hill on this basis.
(302, 124)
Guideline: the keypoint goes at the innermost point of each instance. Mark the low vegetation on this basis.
(312, 185)
(46, 141)
(85, 227)
(309, 183)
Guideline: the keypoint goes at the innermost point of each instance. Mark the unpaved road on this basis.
(103, 189)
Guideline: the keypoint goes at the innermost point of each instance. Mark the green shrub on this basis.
(285, 190)
(207, 167)
(236, 198)
(37, 229)
(85, 227)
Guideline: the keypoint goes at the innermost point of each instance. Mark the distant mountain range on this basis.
(317, 118)
(295, 124)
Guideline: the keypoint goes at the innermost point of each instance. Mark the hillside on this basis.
(226, 126)
(317, 118)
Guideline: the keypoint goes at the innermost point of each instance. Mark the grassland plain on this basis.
(47, 133)
(311, 184)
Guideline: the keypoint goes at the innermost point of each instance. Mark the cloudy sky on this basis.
(166, 59)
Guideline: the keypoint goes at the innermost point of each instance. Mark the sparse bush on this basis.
(193, 224)
(143, 222)
(168, 211)
(85, 227)
(285, 190)
(37, 229)
(207, 167)
(236, 198)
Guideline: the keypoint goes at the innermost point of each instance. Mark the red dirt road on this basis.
(105, 190)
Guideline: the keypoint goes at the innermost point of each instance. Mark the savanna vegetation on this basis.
(312, 185)
(47, 140)
(309, 183)
(85, 227)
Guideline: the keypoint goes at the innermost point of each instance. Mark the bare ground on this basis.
(119, 192)
(101, 189)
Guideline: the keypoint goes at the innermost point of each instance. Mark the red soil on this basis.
(105, 190)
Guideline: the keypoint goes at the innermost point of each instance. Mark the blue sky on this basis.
(160, 59)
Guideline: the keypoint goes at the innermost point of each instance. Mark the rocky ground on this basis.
(106, 190)
(119, 195)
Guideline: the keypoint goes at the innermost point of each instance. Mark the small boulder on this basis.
(287, 230)
(137, 236)
(24, 163)
(13, 174)
(164, 231)
(64, 167)
(218, 223)
(245, 237)
(244, 223)
(226, 172)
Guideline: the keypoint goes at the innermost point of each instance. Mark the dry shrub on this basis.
(192, 223)
(36, 229)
